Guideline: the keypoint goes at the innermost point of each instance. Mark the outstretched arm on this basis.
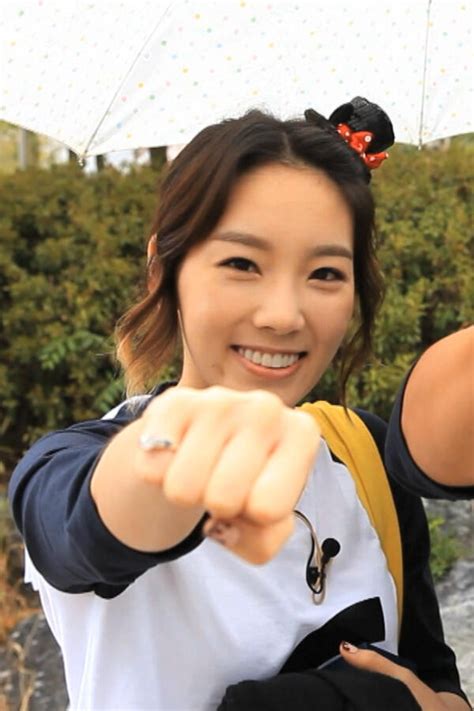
(437, 416)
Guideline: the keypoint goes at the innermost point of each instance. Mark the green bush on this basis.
(71, 260)
(72, 257)
(445, 547)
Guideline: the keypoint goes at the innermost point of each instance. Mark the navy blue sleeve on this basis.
(405, 471)
(53, 508)
(421, 632)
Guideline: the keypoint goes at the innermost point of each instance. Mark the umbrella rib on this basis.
(83, 155)
(425, 69)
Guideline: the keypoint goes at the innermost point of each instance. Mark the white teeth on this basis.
(269, 360)
(277, 361)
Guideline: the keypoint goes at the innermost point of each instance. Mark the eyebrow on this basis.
(250, 240)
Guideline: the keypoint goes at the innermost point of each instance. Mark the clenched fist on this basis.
(244, 457)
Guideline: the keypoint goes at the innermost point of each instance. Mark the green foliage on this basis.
(445, 548)
(71, 261)
(72, 258)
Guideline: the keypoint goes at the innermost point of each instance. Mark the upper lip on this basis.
(267, 349)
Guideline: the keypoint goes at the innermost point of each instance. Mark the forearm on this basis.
(438, 410)
(135, 511)
(67, 540)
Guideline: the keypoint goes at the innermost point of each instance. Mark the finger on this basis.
(167, 418)
(278, 488)
(188, 474)
(241, 462)
(371, 661)
(203, 472)
(251, 542)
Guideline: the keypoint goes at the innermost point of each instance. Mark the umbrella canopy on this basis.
(115, 75)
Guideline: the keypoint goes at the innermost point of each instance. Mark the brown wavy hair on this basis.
(193, 197)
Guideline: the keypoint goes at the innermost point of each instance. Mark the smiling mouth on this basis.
(274, 361)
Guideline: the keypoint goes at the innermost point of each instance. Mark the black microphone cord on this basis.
(318, 559)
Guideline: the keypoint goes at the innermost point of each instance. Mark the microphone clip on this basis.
(319, 558)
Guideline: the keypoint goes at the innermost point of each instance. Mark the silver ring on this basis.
(151, 443)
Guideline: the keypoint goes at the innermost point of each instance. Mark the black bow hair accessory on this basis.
(363, 125)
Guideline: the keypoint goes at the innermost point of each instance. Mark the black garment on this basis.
(401, 466)
(332, 690)
(74, 551)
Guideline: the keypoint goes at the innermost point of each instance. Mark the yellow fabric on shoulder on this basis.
(350, 440)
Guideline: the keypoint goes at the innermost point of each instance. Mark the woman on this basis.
(262, 261)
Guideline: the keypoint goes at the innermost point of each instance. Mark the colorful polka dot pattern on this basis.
(118, 74)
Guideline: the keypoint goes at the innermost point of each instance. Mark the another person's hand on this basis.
(428, 699)
(244, 457)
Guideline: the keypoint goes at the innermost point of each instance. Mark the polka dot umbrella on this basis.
(120, 74)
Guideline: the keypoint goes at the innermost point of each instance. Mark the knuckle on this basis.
(263, 512)
(221, 508)
(224, 503)
(215, 393)
(171, 397)
(264, 405)
(267, 398)
(155, 405)
(179, 495)
(306, 423)
(181, 395)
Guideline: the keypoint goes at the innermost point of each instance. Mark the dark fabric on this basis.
(421, 633)
(361, 622)
(401, 466)
(56, 515)
(346, 689)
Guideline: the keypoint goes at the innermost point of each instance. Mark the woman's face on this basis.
(266, 299)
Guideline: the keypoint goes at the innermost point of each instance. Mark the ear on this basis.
(153, 265)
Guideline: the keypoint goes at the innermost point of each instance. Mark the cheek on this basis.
(208, 315)
(338, 321)
(349, 309)
(332, 329)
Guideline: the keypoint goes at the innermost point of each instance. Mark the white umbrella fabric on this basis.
(122, 74)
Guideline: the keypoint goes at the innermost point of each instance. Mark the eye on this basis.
(328, 274)
(239, 263)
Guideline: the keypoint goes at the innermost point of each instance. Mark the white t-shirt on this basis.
(185, 630)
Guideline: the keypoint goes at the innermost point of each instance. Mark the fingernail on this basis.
(223, 532)
(349, 647)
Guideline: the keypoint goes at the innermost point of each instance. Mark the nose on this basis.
(280, 308)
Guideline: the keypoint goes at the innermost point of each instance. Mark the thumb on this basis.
(371, 661)
(254, 543)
